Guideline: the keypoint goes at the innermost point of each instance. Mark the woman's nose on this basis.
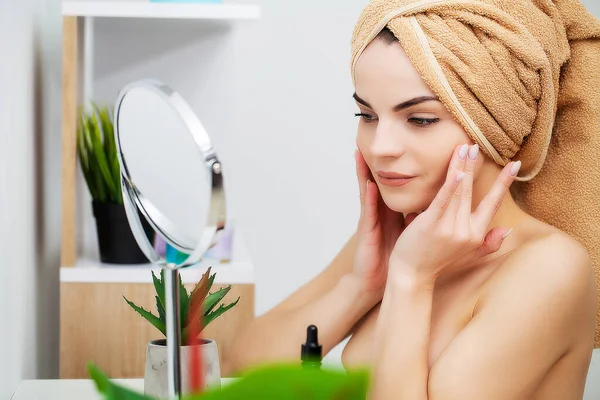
(388, 141)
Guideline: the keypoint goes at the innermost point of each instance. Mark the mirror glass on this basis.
(170, 173)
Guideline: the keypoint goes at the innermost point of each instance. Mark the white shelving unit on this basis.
(147, 9)
(86, 269)
(238, 270)
(90, 271)
(95, 322)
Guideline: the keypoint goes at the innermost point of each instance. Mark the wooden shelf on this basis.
(146, 9)
(91, 271)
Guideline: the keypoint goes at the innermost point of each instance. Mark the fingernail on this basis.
(460, 177)
(473, 152)
(514, 170)
(462, 152)
(507, 233)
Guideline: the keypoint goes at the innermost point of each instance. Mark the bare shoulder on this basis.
(552, 275)
(555, 256)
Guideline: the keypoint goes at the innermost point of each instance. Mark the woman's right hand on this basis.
(378, 230)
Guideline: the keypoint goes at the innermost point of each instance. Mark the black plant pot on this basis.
(116, 242)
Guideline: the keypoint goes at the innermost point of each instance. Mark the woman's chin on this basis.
(404, 205)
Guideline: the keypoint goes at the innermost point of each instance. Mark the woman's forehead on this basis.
(385, 68)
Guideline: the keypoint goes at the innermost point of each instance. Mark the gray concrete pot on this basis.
(155, 377)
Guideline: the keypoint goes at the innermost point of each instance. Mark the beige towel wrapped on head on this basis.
(523, 79)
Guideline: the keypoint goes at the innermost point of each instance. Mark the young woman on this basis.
(449, 289)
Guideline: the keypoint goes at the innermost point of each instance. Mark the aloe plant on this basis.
(191, 311)
(97, 153)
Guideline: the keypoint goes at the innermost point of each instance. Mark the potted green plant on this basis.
(197, 310)
(97, 154)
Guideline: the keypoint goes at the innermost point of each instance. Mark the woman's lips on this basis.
(395, 182)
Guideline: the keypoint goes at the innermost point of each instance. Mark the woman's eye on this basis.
(365, 117)
(423, 121)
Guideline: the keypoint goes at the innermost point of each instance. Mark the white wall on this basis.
(276, 98)
(593, 6)
(30, 189)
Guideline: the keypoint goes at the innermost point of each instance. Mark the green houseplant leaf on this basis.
(184, 301)
(218, 312)
(162, 314)
(275, 381)
(153, 319)
(110, 390)
(96, 149)
(195, 307)
(159, 288)
(213, 299)
(101, 158)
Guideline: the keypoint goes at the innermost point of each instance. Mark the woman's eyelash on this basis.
(414, 121)
(366, 117)
(424, 121)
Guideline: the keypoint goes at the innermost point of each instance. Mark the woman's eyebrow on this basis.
(401, 106)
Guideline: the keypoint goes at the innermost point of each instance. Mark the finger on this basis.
(360, 175)
(491, 203)
(457, 164)
(410, 218)
(457, 161)
(493, 241)
(370, 218)
(442, 200)
(463, 215)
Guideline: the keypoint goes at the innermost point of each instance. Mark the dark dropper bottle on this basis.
(312, 351)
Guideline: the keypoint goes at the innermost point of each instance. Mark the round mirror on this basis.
(170, 173)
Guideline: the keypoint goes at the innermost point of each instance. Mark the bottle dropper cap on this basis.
(312, 350)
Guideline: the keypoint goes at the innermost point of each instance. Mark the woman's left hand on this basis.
(448, 233)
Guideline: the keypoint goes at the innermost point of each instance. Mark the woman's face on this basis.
(403, 130)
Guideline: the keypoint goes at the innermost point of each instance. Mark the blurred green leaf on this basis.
(96, 149)
(110, 390)
(291, 382)
(184, 301)
(275, 381)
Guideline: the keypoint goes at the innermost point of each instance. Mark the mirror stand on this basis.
(152, 122)
(173, 331)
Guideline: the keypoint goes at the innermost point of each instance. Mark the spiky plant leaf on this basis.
(184, 301)
(110, 147)
(96, 175)
(162, 314)
(153, 319)
(214, 298)
(159, 287)
(84, 161)
(218, 312)
(100, 156)
(198, 295)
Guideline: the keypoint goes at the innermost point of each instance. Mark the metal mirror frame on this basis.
(134, 202)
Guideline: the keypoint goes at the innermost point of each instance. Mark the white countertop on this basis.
(73, 389)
